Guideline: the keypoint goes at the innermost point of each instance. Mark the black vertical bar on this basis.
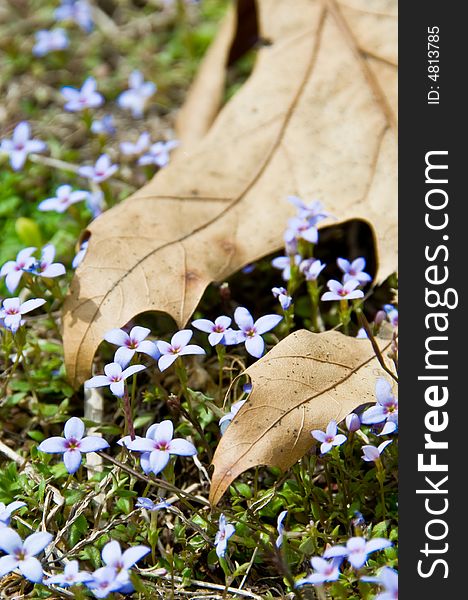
(433, 362)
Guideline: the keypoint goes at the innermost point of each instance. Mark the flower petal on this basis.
(113, 369)
(111, 553)
(97, 381)
(139, 333)
(74, 428)
(93, 443)
(32, 304)
(243, 318)
(12, 280)
(255, 346)
(191, 349)
(150, 348)
(10, 541)
(31, 569)
(166, 360)
(377, 544)
(118, 388)
(36, 542)
(164, 432)
(133, 555)
(53, 445)
(158, 460)
(72, 460)
(140, 445)
(267, 323)
(7, 564)
(181, 338)
(117, 337)
(203, 325)
(124, 355)
(182, 447)
(131, 370)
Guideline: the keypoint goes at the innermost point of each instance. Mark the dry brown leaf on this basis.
(316, 118)
(206, 93)
(303, 383)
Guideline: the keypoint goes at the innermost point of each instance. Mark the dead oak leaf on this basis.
(316, 119)
(303, 383)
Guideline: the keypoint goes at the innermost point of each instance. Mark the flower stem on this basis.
(221, 352)
(129, 429)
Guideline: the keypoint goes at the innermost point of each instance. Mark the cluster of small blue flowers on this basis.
(356, 551)
(384, 412)
(112, 577)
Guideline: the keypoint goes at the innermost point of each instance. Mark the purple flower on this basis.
(13, 310)
(227, 418)
(45, 266)
(284, 263)
(138, 94)
(357, 550)
(86, 97)
(251, 333)
(6, 510)
(71, 575)
(104, 581)
(178, 347)
(148, 504)
(49, 41)
(329, 438)
(21, 145)
(73, 444)
(14, 269)
(301, 228)
(130, 343)
(121, 562)
(95, 203)
(343, 291)
(324, 571)
(311, 268)
(139, 147)
(78, 11)
(102, 169)
(280, 528)
(115, 376)
(21, 554)
(64, 199)
(354, 270)
(313, 212)
(392, 314)
(353, 422)
(80, 255)
(225, 531)
(104, 126)
(386, 408)
(372, 454)
(158, 154)
(388, 578)
(284, 298)
(216, 329)
(158, 446)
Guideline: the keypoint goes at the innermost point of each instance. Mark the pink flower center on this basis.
(73, 444)
(19, 146)
(116, 378)
(132, 344)
(12, 311)
(175, 349)
(342, 292)
(329, 438)
(252, 332)
(164, 446)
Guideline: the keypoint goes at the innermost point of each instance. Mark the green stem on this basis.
(221, 352)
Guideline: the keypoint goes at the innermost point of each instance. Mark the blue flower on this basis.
(73, 444)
